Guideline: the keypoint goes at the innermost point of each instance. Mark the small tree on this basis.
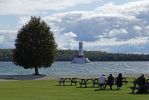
(35, 45)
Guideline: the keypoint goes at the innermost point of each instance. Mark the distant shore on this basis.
(68, 55)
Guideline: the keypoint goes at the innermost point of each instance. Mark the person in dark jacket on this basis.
(119, 81)
(141, 81)
(110, 81)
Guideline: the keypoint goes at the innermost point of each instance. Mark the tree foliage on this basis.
(67, 55)
(35, 45)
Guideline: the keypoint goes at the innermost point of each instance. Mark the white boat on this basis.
(80, 59)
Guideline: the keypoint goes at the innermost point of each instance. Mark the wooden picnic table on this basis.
(125, 80)
(95, 81)
(136, 87)
(72, 81)
(85, 81)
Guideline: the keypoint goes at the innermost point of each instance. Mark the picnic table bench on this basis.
(95, 82)
(136, 87)
(85, 81)
(125, 80)
(139, 87)
(72, 81)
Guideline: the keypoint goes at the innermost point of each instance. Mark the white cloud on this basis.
(30, 7)
(126, 9)
(70, 34)
(115, 32)
(110, 26)
(2, 38)
(8, 31)
(137, 28)
(24, 19)
(7, 38)
(112, 45)
(67, 41)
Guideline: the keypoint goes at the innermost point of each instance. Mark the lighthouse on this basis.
(80, 58)
(81, 49)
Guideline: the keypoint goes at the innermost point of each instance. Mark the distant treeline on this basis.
(67, 55)
(5, 54)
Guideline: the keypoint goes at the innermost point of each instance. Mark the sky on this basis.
(117, 26)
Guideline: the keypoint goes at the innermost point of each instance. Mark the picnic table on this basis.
(95, 81)
(136, 87)
(125, 80)
(85, 81)
(71, 81)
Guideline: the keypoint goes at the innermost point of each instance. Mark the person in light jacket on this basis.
(102, 81)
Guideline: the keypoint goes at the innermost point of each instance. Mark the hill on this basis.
(67, 55)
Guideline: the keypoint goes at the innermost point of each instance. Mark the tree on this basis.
(35, 45)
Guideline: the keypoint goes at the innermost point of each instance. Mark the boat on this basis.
(80, 58)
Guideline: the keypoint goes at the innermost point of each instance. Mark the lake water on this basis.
(89, 69)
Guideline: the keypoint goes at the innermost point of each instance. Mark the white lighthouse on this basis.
(80, 59)
(81, 48)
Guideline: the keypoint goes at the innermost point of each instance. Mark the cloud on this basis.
(31, 7)
(67, 41)
(24, 20)
(137, 28)
(2, 38)
(111, 27)
(117, 32)
(107, 27)
(70, 34)
(7, 38)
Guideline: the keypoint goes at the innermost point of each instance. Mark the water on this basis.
(90, 69)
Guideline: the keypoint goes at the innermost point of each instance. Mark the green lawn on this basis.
(48, 90)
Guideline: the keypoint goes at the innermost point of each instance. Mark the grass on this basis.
(49, 90)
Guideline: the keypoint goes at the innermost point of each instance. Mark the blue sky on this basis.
(107, 25)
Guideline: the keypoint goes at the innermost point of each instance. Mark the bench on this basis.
(139, 87)
(133, 89)
(125, 80)
(85, 82)
(136, 87)
(72, 81)
(95, 82)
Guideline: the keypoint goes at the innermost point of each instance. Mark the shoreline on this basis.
(48, 77)
(26, 77)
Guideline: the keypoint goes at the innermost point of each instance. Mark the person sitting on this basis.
(119, 81)
(110, 81)
(141, 81)
(102, 81)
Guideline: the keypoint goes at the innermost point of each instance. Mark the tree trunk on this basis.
(36, 71)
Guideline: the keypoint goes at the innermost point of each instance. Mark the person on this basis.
(141, 81)
(110, 81)
(119, 81)
(102, 81)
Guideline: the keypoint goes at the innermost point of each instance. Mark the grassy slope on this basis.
(48, 90)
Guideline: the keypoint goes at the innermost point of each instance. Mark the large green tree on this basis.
(35, 45)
